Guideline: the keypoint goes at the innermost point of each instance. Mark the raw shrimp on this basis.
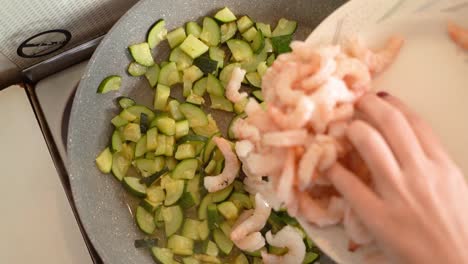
(255, 222)
(376, 61)
(321, 212)
(356, 231)
(295, 119)
(230, 171)
(327, 67)
(307, 165)
(289, 238)
(232, 88)
(285, 139)
(458, 34)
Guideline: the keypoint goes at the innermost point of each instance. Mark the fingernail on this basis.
(382, 94)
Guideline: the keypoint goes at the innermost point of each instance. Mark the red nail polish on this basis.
(382, 94)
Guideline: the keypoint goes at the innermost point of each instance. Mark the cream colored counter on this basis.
(36, 224)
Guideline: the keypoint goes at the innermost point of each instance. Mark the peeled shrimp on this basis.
(266, 189)
(264, 164)
(232, 88)
(458, 34)
(328, 157)
(295, 119)
(376, 61)
(355, 73)
(243, 149)
(230, 171)
(320, 212)
(307, 165)
(285, 139)
(287, 237)
(327, 67)
(343, 112)
(251, 242)
(284, 83)
(286, 182)
(255, 222)
(242, 129)
(356, 231)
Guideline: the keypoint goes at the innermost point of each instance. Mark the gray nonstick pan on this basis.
(103, 205)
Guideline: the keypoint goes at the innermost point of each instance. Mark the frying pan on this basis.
(103, 206)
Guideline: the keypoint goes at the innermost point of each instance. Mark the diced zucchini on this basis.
(192, 138)
(284, 27)
(208, 130)
(173, 107)
(225, 15)
(159, 163)
(210, 167)
(163, 255)
(244, 23)
(176, 37)
(146, 243)
(143, 123)
(110, 83)
(128, 150)
(221, 103)
(132, 132)
(169, 75)
(241, 259)
(133, 185)
(209, 148)
(161, 145)
(152, 74)
(125, 102)
(240, 105)
(120, 165)
(104, 161)
(195, 116)
(185, 169)
(173, 219)
(199, 87)
(250, 34)
(240, 49)
(270, 60)
(224, 243)
(264, 28)
(192, 28)
(119, 121)
(174, 191)
(152, 139)
(195, 99)
(212, 216)
(258, 42)
(203, 230)
(193, 47)
(170, 142)
(190, 260)
(141, 53)
(185, 151)
(258, 95)
(211, 33)
(214, 86)
(217, 54)
(228, 31)
(180, 245)
(226, 228)
(219, 167)
(145, 220)
(202, 209)
(222, 195)
(171, 163)
(181, 58)
(207, 259)
(281, 43)
(211, 249)
(228, 210)
(165, 125)
(250, 65)
(116, 142)
(225, 74)
(241, 200)
(160, 97)
(193, 187)
(310, 257)
(157, 33)
(182, 128)
(192, 74)
(277, 250)
(188, 199)
(254, 79)
(206, 64)
(140, 149)
(135, 69)
(190, 229)
(137, 110)
(155, 194)
(262, 68)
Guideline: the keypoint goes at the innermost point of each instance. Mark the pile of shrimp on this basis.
(310, 95)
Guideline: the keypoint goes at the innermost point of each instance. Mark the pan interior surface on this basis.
(104, 207)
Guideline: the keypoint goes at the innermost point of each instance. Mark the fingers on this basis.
(426, 136)
(377, 155)
(361, 198)
(392, 124)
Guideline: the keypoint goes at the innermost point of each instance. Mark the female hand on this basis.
(418, 210)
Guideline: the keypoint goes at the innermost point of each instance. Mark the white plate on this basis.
(430, 74)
